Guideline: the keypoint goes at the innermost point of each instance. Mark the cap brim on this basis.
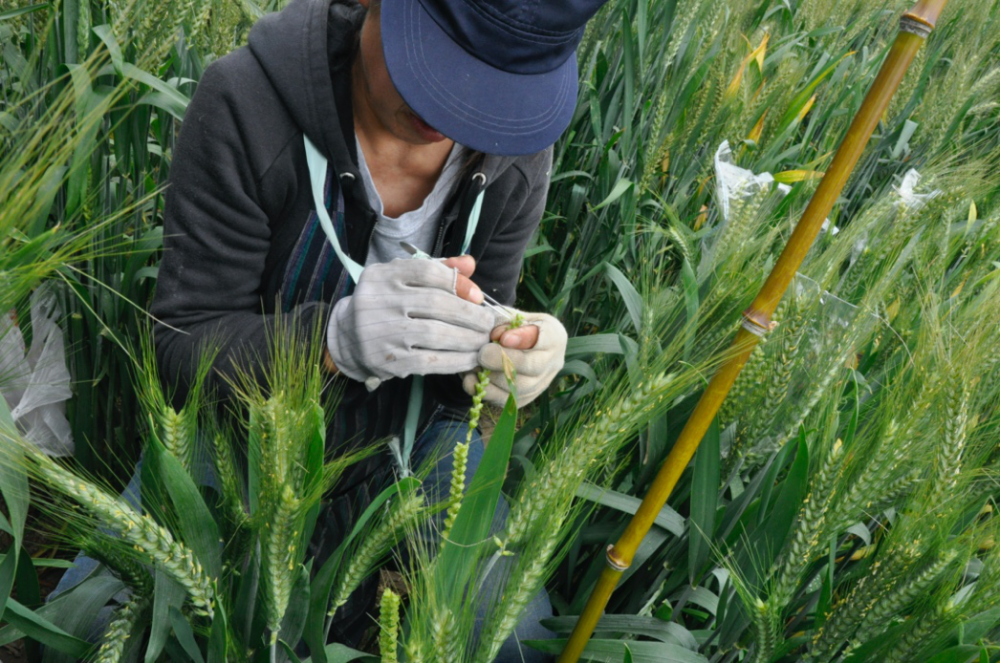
(471, 102)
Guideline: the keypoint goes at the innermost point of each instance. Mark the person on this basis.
(309, 157)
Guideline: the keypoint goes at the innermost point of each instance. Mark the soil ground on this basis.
(38, 543)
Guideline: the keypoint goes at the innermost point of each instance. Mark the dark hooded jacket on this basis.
(241, 243)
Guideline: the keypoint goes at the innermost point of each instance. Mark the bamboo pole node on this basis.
(757, 323)
(916, 26)
(615, 561)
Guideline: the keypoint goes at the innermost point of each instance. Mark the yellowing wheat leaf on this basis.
(791, 176)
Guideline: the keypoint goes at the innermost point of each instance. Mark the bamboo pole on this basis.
(915, 26)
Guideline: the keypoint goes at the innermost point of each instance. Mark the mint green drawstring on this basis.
(317, 175)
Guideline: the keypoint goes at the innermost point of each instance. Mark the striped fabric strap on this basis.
(317, 174)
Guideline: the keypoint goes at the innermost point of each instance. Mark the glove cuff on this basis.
(342, 360)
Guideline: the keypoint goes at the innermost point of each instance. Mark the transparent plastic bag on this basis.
(35, 381)
(908, 197)
(735, 183)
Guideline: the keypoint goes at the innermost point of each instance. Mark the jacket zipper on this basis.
(439, 240)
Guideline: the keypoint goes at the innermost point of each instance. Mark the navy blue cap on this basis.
(497, 76)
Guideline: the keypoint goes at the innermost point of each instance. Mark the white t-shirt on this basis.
(418, 227)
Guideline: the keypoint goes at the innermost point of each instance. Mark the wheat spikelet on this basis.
(746, 383)
(403, 513)
(925, 627)
(679, 29)
(890, 494)
(818, 389)
(280, 543)
(230, 480)
(388, 622)
(790, 334)
(841, 622)
(520, 589)
(460, 457)
(848, 613)
(83, 26)
(910, 588)
(657, 148)
(199, 21)
(414, 649)
(176, 432)
(447, 645)
(566, 469)
(891, 450)
(712, 340)
(908, 85)
(956, 420)
(809, 529)
(119, 630)
(713, 25)
(125, 567)
(758, 393)
(591, 37)
(720, 80)
(760, 616)
(887, 577)
(150, 540)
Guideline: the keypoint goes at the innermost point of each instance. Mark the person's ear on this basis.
(364, 3)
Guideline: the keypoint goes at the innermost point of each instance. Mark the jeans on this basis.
(433, 446)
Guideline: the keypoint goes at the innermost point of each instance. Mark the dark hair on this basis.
(473, 161)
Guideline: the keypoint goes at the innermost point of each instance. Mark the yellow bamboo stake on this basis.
(915, 26)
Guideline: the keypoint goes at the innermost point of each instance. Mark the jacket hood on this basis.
(306, 52)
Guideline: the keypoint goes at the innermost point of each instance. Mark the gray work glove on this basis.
(533, 370)
(404, 318)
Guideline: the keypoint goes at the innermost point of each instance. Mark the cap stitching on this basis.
(520, 29)
(460, 107)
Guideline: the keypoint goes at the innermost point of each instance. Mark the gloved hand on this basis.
(404, 318)
(535, 363)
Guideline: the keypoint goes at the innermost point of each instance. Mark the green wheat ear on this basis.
(388, 640)
(461, 452)
(119, 630)
(447, 644)
(151, 540)
(402, 513)
(461, 455)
